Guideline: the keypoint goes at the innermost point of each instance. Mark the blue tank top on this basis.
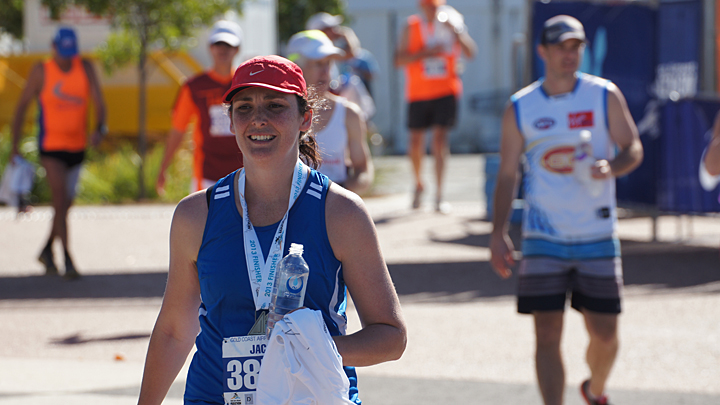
(228, 309)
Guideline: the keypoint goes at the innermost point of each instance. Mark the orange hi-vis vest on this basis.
(430, 78)
(63, 105)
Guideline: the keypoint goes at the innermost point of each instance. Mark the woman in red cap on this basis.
(218, 278)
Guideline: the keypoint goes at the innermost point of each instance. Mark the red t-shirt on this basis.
(200, 100)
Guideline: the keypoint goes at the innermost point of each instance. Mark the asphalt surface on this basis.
(84, 341)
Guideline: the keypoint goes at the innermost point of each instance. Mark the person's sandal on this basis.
(46, 258)
(417, 199)
(70, 272)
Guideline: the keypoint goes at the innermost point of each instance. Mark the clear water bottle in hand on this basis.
(447, 15)
(290, 284)
(584, 162)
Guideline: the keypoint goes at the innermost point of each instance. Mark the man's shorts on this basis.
(438, 112)
(70, 159)
(545, 283)
(73, 162)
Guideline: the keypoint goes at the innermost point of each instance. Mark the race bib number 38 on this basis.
(242, 356)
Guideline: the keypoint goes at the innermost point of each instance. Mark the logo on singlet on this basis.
(559, 160)
(57, 91)
(544, 123)
(581, 119)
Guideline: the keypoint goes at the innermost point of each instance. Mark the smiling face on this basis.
(267, 124)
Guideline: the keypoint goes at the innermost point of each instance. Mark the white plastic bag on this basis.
(17, 181)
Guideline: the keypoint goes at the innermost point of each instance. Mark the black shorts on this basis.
(438, 112)
(545, 283)
(71, 159)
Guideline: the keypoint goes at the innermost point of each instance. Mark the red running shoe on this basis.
(589, 398)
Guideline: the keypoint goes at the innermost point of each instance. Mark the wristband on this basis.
(103, 129)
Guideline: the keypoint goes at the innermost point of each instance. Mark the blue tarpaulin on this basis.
(652, 53)
(686, 127)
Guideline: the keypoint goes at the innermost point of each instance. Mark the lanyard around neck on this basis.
(260, 271)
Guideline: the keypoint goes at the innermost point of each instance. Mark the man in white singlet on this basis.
(570, 245)
(340, 128)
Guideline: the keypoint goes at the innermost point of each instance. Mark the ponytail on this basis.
(309, 148)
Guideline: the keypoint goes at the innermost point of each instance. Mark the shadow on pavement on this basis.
(118, 285)
(77, 339)
(655, 265)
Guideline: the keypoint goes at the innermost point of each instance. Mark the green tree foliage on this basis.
(141, 26)
(11, 17)
(292, 14)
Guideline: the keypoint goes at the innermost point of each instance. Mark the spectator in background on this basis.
(343, 37)
(365, 66)
(200, 101)
(62, 86)
(340, 126)
(429, 48)
(710, 162)
(570, 245)
(353, 71)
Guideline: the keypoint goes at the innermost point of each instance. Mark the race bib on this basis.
(219, 121)
(242, 356)
(435, 68)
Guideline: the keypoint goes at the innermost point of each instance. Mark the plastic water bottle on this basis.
(449, 14)
(443, 34)
(584, 161)
(290, 284)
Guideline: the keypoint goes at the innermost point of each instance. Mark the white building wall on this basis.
(487, 80)
(39, 29)
(258, 22)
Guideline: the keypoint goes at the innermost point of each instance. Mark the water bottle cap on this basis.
(585, 135)
(296, 249)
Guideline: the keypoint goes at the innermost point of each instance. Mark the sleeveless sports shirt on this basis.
(430, 78)
(558, 209)
(62, 112)
(216, 152)
(227, 307)
(333, 140)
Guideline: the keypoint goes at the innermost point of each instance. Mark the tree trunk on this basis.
(142, 125)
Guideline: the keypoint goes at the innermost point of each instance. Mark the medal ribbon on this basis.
(261, 272)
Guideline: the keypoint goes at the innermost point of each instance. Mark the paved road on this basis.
(84, 342)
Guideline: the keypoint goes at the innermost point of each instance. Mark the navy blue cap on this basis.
(65, 42)
(561, 28)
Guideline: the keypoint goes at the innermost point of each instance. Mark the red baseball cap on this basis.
(271, 72)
